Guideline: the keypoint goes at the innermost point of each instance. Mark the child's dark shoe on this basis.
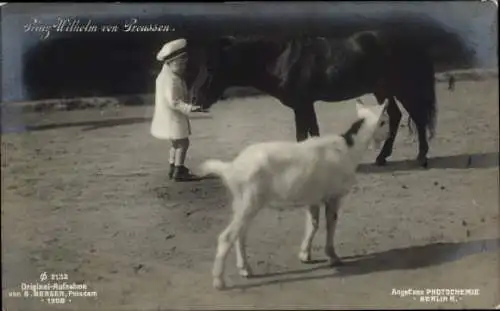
(171, 171)
(182, 173)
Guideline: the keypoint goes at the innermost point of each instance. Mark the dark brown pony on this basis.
(302, 70)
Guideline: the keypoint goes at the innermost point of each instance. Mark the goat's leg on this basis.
(225, 242)
(312, 223)
(331, 213)
(241, 216)
(241, 255)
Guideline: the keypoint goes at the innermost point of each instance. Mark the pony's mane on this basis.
(277, 39)
(256, 40)
(253, 38)
(254, 43)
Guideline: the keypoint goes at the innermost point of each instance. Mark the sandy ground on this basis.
(85, 193)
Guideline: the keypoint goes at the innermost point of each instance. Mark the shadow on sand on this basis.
(413, 257)
(95, 125)
(460, 161)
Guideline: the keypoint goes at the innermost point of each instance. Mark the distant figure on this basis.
(171, 112)
(451, 83)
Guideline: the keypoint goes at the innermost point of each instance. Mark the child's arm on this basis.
(175, 100)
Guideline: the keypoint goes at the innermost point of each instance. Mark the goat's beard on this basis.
(376, 144)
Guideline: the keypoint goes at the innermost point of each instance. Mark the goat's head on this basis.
(377, 119)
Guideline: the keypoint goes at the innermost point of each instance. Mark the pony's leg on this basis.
(331, 213)
(312, 223)
(420, 123)
(394, 119)
(243, 212)
(417, 93)
(423, 145)
(313, 121)
(301, 123)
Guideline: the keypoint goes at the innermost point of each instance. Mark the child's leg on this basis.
(181, 173)
(171, 159)
(181, 151)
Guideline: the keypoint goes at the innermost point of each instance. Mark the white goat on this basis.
(320, 170)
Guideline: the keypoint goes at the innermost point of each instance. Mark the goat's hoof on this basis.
(381, 161)
(304, 257)
(245, 272)
(219, 284)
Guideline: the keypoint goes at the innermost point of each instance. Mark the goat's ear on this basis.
(360, 106)
(385, 105)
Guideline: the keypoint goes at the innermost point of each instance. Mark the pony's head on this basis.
(205, 74)
(376, 119)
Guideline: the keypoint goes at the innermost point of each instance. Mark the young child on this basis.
(171, 112)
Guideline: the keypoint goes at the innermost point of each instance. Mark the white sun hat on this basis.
(172, 50)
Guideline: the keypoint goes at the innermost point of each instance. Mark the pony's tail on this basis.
(431, 104)
(427, 103)
(214, 167)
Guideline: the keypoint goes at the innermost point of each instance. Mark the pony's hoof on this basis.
(423, 162)
(335, 261)
(245, 272)
(304, 257)
(380, 161)
(219, 284)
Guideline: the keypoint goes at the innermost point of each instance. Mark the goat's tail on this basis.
(214, 167)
